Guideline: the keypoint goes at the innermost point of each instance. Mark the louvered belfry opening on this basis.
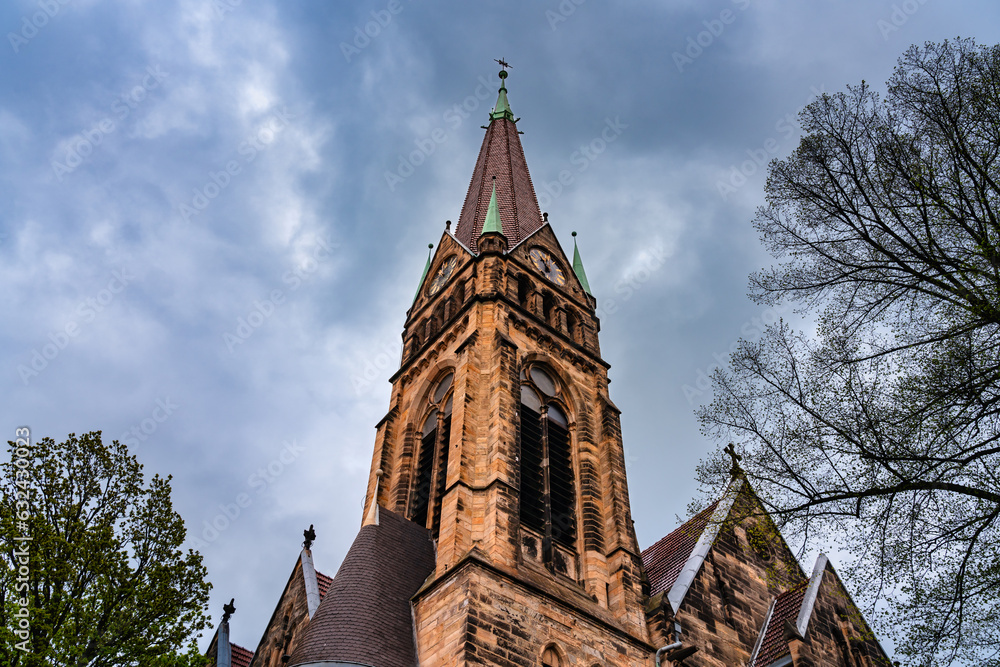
(432, 461)
(547, 495)
(561, 479)
(532, 479)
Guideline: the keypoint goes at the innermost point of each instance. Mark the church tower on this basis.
(496, 527)
(502, 441)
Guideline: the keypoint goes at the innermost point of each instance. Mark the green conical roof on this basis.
(578, 267)
(423, 276)
(492, 223)
(502, 108)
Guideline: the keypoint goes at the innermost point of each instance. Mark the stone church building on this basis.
(497, 527)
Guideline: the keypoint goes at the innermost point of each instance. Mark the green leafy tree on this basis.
(878, 432)
(107, 582)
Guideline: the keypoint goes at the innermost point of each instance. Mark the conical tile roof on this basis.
(502, 157)
(365, 618)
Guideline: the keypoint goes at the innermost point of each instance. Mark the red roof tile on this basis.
(664, 560)
(324, 583)
(241, 656)
(786, 608)
(502, 157)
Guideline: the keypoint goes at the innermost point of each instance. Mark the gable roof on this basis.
(324, 583)
(241, 657)
(365, 617)
(664, 560)
(771, 643)
(795, 607)
(684, 551)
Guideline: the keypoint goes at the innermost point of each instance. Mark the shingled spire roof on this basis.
(365, 617)
(500, 157)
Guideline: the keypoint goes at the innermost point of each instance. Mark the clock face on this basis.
(442, 275)
(548, 266)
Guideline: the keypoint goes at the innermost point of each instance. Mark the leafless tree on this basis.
(878, 431)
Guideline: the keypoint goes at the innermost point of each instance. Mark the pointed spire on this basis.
(578, 267)
(500, 156)
(493, 223)
(502, 108)
(423, 276)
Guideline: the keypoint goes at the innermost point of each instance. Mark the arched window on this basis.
(523, 290)
(550, 657)
(432, 459)
(547, 497)
(547, 303)
(571, 325)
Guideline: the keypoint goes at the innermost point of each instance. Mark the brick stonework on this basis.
(485, 325)
(727, 603)
(291, 615)
(479, 615)
(837, 633)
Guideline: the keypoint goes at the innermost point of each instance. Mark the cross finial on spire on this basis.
(310, 535)
(735, 470)
(502, 63)
(228, 610)
(502, 108)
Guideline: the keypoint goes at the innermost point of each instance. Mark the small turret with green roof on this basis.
(423, 276)
(578, 267)
(492, 238)
(492, 223)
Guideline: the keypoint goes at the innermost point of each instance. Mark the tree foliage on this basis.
(880, 427)
(108, 583)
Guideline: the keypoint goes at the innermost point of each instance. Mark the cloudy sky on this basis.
(215, 214)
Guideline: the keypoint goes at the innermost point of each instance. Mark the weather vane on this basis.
(502, 63)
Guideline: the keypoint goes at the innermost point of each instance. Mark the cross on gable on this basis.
(735, 469)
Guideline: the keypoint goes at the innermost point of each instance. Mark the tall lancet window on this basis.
(547, 497)
(432, 459)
